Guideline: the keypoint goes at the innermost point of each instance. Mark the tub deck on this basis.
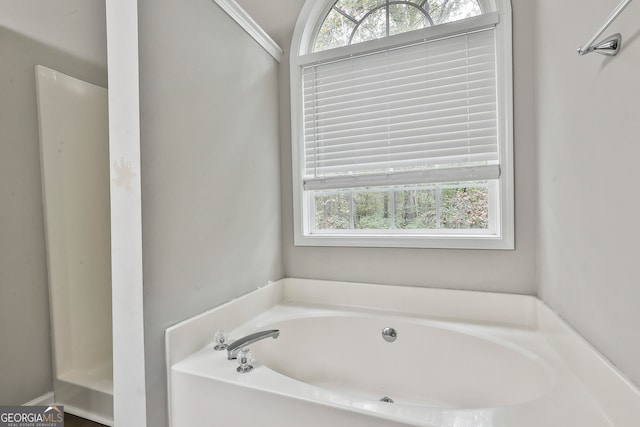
(532, 370)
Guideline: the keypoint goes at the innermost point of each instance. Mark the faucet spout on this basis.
(235, 347)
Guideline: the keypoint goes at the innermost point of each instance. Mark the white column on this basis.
(126, 215)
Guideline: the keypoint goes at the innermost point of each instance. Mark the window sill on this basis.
(462, 241)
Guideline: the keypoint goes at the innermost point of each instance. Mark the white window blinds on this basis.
(413, 114)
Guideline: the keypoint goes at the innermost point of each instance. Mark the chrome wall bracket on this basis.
(611, 45)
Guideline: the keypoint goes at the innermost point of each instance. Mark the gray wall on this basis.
(25, 359)
(503, 271)
(588, 124)
(210, 170)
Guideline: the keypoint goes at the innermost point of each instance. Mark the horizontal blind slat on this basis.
(478, 137)
(359, 119)
(437, 106)
(457, 130)
(408, 165)
(424, 73)
(471, 95)
(404, 118)
(437, 51)
(380, 156)
(449, 89)
(425, 148)
(357, 76)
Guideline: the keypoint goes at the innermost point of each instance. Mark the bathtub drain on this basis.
(386, 399)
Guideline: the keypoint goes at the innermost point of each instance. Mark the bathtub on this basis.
(459, 359)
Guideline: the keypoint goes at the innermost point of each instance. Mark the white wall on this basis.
(76, 27)
(503, 271)
(588, 124)
(25, 366)
(210, 170)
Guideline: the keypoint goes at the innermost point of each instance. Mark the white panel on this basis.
(75, 178)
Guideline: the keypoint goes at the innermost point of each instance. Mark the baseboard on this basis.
(45, 399)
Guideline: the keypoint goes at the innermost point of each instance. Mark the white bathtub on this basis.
(461, 359)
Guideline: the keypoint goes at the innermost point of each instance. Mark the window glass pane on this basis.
(370, 21)
(452, 206)
(372, 27)
(466, 208)
(416, 209)
(333, 211)
(443, 11)
(358, 8)
(403, 18)
(372, 210)
(335, 31)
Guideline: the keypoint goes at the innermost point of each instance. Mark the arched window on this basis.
(401, 124)
(353, 21)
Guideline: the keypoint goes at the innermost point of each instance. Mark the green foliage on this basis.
(333, 212)
(416, 209)
(465, 208)
(371, 211)
(406, 209)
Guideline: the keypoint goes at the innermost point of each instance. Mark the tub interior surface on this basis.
(430, 363)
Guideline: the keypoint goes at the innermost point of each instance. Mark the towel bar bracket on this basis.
(610, 45)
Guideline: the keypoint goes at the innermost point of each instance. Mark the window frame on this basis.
(309, 21)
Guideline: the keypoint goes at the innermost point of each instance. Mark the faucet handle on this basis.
(220, 340)
(245, 358)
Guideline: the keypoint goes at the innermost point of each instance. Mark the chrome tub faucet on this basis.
(235, 347)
